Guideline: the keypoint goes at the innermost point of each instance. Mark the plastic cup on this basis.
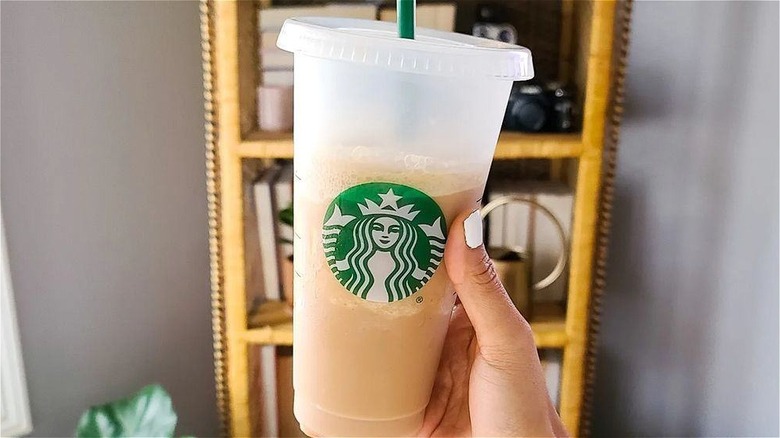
(393, 139)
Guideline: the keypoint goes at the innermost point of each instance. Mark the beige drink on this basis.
(393, 138)
(365, 358)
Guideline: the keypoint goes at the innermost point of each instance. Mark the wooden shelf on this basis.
(279, 334)
(549, 329)
(267, 145)
(511, 145)
(549, 325)
(270, 324)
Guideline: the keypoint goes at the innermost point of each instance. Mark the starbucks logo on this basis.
(383, 241)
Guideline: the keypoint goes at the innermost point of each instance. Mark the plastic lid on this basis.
(433, 52)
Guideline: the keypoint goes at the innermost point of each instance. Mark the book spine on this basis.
(267, 235)
(266, 225)
(551, 360)
(269, 424)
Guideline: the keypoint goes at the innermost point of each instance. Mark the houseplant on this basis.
(288, 272)
(147, 413)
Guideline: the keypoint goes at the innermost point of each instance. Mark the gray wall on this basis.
(690, 329)
(103, 193)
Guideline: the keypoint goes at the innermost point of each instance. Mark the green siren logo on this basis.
(383, 241)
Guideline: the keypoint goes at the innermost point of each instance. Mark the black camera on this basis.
(540, 108)
(492, 23)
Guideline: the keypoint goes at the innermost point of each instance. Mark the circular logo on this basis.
(383, 241)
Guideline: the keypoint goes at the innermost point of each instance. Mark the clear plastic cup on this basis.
(393, 139)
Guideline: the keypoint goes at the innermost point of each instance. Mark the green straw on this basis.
(406, 19)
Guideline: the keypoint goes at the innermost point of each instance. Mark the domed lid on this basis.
(376, 43)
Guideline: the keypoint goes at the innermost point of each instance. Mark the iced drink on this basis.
(387, 153)
(366, 339)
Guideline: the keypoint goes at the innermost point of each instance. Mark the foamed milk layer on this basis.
(339, 168)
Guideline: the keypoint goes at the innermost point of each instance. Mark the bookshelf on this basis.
(590, 32)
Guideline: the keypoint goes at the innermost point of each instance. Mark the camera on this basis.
(540, 108)
(492, 23)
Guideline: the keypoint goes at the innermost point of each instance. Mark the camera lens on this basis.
(528, 108)
(530, 116)
(480, 30)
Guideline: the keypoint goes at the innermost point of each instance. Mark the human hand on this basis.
(490, 380)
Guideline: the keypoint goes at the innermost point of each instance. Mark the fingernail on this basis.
(472, 227)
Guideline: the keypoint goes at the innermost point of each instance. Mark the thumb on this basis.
(495, 319)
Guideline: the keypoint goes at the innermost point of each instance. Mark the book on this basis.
(275, 59)
(269, 390)
(263, 406)
(284, 424)
(253, 264)
(275, 108)
(269, 313)
(271, 19)
(288, 425)
(256, 399)
(439, 16)
(552, 360)
(277, 77)
(268, 39)
(266, 225)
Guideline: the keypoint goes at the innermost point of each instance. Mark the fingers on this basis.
(447, 414)
(556, 424)
(495, 319)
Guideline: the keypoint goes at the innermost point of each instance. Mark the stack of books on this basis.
(274, 92)
(276, 65)
(439, 16)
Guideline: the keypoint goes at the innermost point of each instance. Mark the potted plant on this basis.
(147, 413)
(288, 273)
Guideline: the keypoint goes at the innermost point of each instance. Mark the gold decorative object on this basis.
(513, 265)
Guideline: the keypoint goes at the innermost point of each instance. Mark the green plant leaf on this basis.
(286, 216)
(148, 413)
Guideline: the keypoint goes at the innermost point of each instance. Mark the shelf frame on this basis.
(599, 32)
(232, 126)
(547, 334)
(511, 145)
(229, 260)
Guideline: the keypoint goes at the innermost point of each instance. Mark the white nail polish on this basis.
(472, 227)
